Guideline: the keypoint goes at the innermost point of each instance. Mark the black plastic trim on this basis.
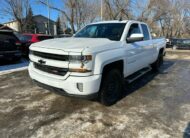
(64, 93)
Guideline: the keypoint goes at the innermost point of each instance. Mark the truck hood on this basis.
(78, 44)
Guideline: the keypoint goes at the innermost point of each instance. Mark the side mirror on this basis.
(135, 38)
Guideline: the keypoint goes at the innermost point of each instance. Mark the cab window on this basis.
(134, 29)
(145, 32)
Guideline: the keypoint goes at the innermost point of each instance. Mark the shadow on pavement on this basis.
(145, 79)
(186, 133)
(9, 65)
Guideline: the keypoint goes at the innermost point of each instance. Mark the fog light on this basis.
(80, 87)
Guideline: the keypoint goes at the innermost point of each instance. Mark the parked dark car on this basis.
(9, 46)
(28, 39)
(180, 43)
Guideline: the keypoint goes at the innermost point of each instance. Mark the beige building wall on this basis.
(13, 25)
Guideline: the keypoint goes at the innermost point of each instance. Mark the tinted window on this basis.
(7, 41)
(25, 38)
(134, 29)
(7, 36)
(145, 32)
(186, 41)
(41, 38)
(112, 31)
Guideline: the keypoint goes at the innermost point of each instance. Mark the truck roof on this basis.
(111, 21)
(116, 21)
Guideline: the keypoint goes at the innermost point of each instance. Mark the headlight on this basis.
(83, 60)
(80, 58)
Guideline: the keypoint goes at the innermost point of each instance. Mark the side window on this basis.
(134, 29)
(145, 32)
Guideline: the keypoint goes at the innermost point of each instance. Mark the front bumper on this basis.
(67, 86)
(64, 93)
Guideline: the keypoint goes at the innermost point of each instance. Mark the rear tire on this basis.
(111, 87)
(158, 63)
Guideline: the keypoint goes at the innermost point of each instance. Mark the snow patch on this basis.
(6, 69)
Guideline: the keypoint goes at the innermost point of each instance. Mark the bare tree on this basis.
(166, 17)
(77, 12)
(115, 9)
(86, 12)
(16, 9)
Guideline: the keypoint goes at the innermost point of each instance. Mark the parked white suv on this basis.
(96, 60)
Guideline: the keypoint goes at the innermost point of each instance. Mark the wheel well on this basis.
(161, 50)
(114, 65)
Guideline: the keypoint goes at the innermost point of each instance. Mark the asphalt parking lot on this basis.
(156, 105)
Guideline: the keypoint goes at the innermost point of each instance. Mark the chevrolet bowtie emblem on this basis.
(41, 61)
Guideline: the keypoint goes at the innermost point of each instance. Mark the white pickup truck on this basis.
(95, 61)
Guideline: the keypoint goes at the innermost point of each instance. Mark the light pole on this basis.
(101, 10)
(48, 17)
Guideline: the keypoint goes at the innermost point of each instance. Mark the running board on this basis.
(137, 74)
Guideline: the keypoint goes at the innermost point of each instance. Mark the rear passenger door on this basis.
(147, 45)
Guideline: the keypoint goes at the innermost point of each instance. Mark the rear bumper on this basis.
(67, 86)
(10, 54)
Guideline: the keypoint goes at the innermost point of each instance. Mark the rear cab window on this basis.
(134, 29)
(145, 32)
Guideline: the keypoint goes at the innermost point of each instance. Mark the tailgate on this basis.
(7, 45)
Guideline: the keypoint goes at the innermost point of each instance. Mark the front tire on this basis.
(111, 87)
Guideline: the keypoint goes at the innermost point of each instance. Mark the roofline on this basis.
(9, 22)
(110, 21)
(44, 16)
(117, 21)
(33, 16)
(7, 30)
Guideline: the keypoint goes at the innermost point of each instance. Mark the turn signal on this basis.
(79, 70)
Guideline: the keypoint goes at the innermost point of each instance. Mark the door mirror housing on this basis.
(134, 38)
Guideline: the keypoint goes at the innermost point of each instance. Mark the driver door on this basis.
(134, 51)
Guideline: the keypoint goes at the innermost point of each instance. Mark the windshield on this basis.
(26, 38)
(23, 37)
(112, 31)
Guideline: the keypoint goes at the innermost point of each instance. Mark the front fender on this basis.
(104, 58)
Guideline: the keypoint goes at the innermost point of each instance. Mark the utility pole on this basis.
(101, 10)
(48, 17)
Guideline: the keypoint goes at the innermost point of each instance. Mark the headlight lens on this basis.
(80, 58)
